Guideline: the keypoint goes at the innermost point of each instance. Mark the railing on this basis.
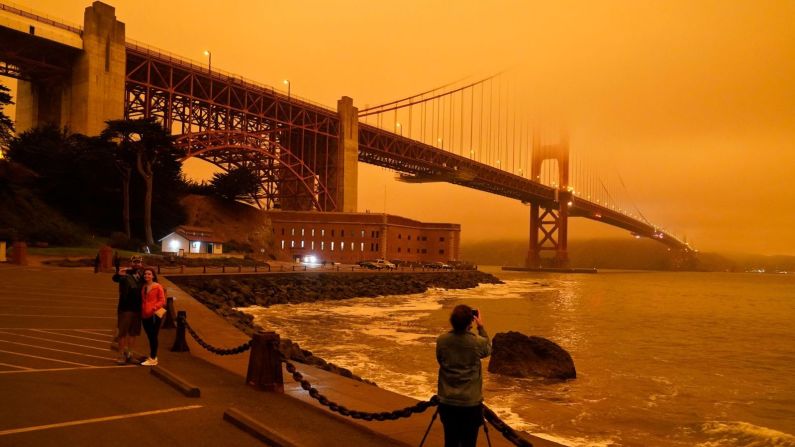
(196, 65)
(39, 17)
(265, 372)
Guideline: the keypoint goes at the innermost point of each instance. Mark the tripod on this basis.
(433, 419)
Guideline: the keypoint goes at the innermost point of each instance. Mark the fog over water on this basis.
(663, 359)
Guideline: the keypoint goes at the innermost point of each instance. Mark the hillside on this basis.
(242, 227)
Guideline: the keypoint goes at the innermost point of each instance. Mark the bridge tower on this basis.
(92, 90)
(549, 221)
(347, 162)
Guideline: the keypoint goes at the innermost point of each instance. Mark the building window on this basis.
(376, 246)
(398, 249)
(441, 251)
(282, 231)
(409, 237)
(302, 244)
(441, 239)
(332, 246)
(292, 244)
(342, 246)
(399, 236)
(312, 245)
(282, 244)
(362, 233)
(408, 250)
(302, 231)
(372, 246)
(424, 250)
(342, 233)
(322, 233)
(292, 231)
(362, 246)
(313, 232)
(332, 233)
(322, 245)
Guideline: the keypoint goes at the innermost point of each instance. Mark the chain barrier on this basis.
(507, 432)
(500, 425)
(220, 351)
(366, 416)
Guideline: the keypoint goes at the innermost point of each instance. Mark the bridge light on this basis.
(399, 127)
(209, 55)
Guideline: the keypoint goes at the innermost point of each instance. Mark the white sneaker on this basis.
(150, 362)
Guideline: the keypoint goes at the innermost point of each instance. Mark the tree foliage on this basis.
(240, 183)
(6, 125)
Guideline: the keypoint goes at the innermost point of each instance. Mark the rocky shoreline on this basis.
(224, 293)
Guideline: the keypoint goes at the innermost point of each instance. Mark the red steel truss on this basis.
(231, 122)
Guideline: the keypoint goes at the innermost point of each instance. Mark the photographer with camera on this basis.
(461, 378)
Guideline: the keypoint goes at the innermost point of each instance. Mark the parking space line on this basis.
(54, 295)
(89, 331)
(55, 341)
(16, 366)
(43, 358)
(50, 306)
(95, 420)
(55, 316)
(56, 350)
(68, 369)
(43, 331)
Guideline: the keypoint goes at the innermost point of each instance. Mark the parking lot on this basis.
(59, 381)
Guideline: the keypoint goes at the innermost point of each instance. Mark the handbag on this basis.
(160, 312)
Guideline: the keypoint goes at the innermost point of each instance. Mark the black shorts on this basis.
(129, 324)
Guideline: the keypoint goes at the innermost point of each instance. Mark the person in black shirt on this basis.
(129, 308)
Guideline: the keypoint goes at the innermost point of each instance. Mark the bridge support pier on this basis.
(347, 160)
(93, 90)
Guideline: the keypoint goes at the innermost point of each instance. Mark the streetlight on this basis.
(441, 142)
(287, 83)
(209, 54)
(399, 128)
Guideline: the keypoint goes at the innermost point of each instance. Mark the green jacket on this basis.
(460, 373)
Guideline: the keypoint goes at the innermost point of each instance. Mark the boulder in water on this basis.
(517, 355)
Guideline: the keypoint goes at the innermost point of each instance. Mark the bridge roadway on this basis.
(61, 387)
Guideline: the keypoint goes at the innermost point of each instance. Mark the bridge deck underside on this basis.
(28, 57)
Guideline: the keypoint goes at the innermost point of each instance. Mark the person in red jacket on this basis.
(152, 310)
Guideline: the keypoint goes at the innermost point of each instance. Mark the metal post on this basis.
(168, 321)
(180, 344)
(264, 363)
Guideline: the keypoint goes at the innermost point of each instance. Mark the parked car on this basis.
(378, 264)
(437, 266)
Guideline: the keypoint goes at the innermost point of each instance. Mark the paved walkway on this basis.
(60, 385)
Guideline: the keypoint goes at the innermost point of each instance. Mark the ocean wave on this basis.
(736, 433)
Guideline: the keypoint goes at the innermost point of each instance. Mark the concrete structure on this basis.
(92, 90)
(187, 241)
(354, 237)
(347, 156)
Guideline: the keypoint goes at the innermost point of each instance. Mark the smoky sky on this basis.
(692, 103)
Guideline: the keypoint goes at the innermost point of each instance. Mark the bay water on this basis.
(662, 358)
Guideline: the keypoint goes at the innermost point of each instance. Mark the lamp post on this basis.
(209, 54)
(287, 83)
(399, 128)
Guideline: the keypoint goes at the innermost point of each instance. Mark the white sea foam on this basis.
(734, 433)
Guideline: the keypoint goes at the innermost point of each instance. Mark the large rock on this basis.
(517, 355)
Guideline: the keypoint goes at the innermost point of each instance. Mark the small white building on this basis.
(186, 241)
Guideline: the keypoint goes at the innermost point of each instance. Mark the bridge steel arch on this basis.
(282, 175)
(230, 122)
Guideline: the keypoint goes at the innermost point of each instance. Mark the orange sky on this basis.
(692, 102)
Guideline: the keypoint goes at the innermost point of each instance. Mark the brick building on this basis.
(353, 237)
